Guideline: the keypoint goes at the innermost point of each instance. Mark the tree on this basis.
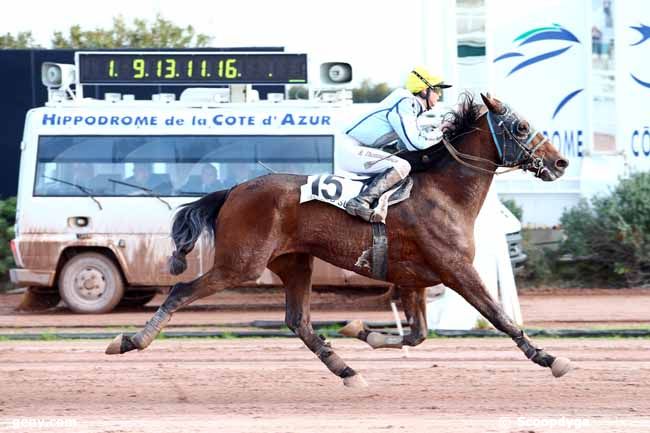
(7, 221)
(298, 92)
(369, 92)
(161, 33)
(20, 40)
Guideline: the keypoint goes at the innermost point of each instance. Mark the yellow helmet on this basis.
(419, 79)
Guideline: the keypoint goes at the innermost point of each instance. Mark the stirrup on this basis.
(357, 207)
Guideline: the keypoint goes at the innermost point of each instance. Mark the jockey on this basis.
(395, 120)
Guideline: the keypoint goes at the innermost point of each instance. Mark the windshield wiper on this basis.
(151, 192)
(83, 189)
(266, 167)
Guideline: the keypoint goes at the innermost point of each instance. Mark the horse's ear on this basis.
(492, 104)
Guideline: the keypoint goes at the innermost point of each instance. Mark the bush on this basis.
(514, 208)
(7, 221)
(539, 266)
(609, 239)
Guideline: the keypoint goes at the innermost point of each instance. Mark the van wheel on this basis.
(91, 283)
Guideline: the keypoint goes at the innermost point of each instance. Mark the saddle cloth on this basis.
(337, 190)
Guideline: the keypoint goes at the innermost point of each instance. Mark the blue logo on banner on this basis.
(550, 33)
(645, 35)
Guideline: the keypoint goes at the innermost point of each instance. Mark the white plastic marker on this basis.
(398, 322)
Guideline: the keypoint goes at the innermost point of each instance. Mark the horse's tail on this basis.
(189, 223)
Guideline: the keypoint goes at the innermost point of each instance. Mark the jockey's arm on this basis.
(403, 118)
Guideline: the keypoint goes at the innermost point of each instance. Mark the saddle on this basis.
(337, 190)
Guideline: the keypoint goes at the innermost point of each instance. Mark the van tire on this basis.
(91, 283)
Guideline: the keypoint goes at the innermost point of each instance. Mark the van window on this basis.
(171, 165)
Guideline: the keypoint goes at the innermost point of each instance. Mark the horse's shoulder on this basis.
(435, 199)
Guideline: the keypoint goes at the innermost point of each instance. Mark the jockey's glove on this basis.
(433, 136)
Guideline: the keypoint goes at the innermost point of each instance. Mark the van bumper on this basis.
(29, 277)
(516, 251)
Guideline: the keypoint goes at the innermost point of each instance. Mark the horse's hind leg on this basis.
(295, 271)
(414, 304)
(468, 284)
(181, 294)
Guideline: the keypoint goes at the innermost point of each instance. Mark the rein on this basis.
(458, 155)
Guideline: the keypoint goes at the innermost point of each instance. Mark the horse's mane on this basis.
(455, 124)
(460, 121)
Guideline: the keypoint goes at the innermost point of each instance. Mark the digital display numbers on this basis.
(196, 68)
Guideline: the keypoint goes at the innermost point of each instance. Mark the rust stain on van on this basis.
(144, 259)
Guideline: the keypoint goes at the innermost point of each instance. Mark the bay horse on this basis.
(260, 223)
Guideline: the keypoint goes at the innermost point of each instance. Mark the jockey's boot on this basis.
(361, 204)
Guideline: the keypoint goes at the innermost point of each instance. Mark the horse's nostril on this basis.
(561, 163)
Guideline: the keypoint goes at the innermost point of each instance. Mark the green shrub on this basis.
(7, 220)
(538, 268)
(514, 208)
(542, 267)
(609, 239)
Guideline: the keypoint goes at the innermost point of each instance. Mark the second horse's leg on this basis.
(414, 304)
(295, 271)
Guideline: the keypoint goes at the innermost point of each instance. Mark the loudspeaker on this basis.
(335, 73)
(55, 75)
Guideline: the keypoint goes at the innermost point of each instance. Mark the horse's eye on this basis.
(522, 128)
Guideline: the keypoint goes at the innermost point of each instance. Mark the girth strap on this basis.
(379, 251)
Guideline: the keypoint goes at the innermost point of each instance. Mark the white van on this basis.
(101, 179)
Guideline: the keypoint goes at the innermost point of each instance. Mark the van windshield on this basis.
(172, 165)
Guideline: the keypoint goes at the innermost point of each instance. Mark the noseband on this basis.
(508, 140)
(512, 146)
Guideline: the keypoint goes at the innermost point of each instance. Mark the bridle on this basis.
(505, 135)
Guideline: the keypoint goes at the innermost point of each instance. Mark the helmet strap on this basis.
(423, 99)
(424, 95)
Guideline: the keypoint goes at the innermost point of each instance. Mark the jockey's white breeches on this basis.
(351, 156)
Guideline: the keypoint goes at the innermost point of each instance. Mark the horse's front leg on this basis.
(414, 304)
(466, 281)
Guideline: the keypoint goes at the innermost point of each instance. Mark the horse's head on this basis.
(520, 145)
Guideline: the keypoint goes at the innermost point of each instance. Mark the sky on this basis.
(382, 39)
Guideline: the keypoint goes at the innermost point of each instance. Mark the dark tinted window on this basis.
(171, 165)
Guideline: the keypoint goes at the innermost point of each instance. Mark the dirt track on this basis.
(456, 385)
(573, 308)
(276, 385)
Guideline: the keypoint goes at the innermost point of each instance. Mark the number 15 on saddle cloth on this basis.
(337, 190)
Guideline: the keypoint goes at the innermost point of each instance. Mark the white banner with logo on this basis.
(632, 36)
(539, 56)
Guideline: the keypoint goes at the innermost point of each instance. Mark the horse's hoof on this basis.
(120, 344)
(560, 367)
(376, 340)
(356, 381)
(352, 329)
(115, 346)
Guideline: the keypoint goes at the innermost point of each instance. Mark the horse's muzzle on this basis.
(561, 164)
(549, 174)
